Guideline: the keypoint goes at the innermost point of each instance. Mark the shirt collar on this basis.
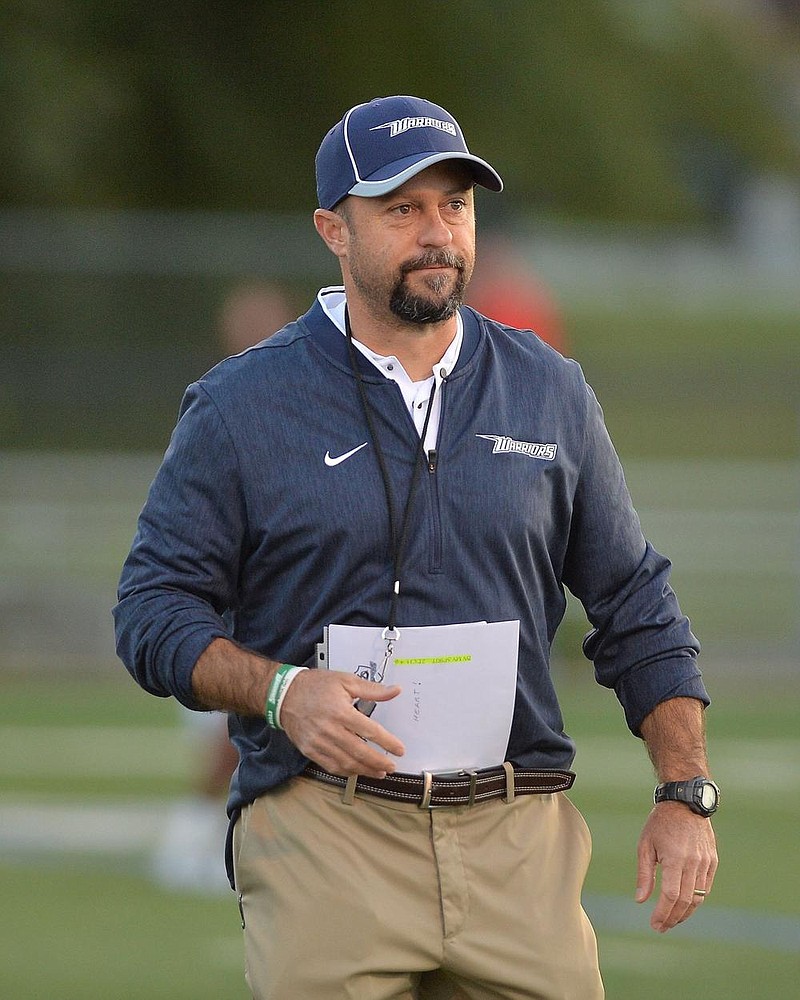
(333, 302)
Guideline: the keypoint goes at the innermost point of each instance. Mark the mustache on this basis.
(434, 258)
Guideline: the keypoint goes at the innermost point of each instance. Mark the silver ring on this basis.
(700, 892)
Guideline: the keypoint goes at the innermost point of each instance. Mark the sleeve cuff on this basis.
(651, 685)
(185, 657)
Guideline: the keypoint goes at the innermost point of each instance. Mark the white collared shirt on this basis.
(415, 394)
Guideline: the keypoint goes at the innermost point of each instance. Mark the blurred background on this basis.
(156, 191)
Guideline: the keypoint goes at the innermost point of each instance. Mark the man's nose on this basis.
(434, 231)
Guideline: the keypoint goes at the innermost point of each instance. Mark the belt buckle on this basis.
(473, 785)
(427, 790)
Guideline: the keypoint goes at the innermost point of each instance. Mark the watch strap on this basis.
(687, 792)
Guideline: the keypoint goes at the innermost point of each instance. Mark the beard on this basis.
(432, 303)
(434, 307)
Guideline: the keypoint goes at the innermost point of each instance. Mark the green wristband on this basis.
(283, 677)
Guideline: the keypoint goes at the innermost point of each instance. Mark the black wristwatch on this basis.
(700, 794)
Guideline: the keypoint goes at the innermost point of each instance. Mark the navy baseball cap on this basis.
(378, 146)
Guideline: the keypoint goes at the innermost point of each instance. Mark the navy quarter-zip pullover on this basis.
(257, 529)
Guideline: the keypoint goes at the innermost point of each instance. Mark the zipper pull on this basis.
(432, 460)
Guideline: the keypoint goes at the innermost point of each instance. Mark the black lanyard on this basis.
(398, 541)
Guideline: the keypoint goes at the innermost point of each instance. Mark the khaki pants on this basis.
(381, 900)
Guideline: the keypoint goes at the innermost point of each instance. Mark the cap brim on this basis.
(402, 170)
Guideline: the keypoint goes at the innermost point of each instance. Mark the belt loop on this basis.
(509, 769)
(349, 793)
(427, 788)
(473, 786)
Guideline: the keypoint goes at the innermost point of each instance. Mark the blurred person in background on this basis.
(251, 312)
(395, 459)
(505, 287)
(189, 854)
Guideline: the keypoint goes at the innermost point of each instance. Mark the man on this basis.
(402, 466)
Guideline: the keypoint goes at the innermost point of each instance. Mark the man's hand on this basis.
(319, 717)
(317, 710)
(683, 844)
(674, 837)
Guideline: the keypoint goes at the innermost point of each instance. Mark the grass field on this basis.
(81, 920)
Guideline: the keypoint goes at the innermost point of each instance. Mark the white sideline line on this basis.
(93, 752)
(746, 540)
(748, 765)
(728, 925)
(29, 830)
(751, 765)
(110, 828)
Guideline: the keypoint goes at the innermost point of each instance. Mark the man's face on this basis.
(411, 253)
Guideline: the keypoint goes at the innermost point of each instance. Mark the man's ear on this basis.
(332, 227)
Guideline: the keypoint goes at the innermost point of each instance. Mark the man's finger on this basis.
(368, 729)
(352, 755)
(646, 873)
(359, 688)
(677, 901)
(660, 919)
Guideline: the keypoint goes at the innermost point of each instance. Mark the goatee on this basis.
(416, 307)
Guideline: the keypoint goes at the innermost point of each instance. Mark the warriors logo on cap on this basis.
(378, 146)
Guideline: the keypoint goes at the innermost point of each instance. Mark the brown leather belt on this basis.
(462, 788)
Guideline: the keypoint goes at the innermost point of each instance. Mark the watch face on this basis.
(708, 796)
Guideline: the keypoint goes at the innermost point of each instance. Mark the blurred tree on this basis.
(608, 108)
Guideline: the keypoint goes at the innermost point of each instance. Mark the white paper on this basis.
(458, 688)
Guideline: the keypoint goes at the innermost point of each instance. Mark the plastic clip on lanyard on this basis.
(391, 633)
(390, 637)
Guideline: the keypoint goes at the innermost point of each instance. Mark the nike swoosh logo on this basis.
(342, 458)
